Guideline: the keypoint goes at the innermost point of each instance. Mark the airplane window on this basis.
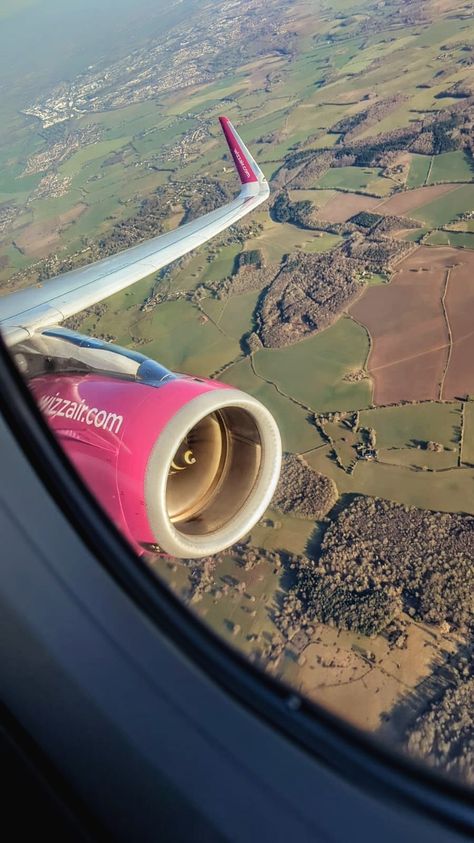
(271, 392)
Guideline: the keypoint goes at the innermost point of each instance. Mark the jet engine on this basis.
(182, 465)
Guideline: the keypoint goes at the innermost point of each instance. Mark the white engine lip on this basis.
(169, 538)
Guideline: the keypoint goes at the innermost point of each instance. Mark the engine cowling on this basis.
(187, 465)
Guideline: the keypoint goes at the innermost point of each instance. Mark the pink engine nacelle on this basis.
(181, 465)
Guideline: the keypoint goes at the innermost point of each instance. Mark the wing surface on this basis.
(26, 311)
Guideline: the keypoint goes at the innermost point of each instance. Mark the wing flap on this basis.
(26, 311)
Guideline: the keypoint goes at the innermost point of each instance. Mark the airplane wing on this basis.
(26, 311)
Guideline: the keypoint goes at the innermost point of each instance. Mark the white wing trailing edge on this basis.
(26, 311)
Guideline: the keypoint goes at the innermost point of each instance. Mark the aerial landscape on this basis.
(345, 304)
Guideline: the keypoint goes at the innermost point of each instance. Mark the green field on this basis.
(280, 239)
(459, 239)
(180, 340)
(286, 532)
(451, 490)
(468, 437)
(419, 458)
(349, 178)
(90, 158)
(395, 440)
(325, 141)
(446, 208)
(251, 610)
(451, 167)
(13, 184)
(236, 318)
(312, 371)
(318, 197)
(297, 430)
(194, 271)
(173, 333)
(403, 427)
(419, 169)
(322, 242)
(375, 278)
(463, 225)
(221, 266)
(415, 235)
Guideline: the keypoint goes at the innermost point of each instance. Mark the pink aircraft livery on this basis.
(182, 465)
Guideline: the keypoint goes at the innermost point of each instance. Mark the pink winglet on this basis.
(238, 152)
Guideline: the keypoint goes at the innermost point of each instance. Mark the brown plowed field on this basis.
(400, 204)
(459, 378)
(344, 205)
(408, 327)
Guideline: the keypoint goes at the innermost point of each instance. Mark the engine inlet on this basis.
(213, 471)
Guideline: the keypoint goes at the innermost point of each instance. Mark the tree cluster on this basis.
(338, 605)
(303, 492)
(248, 277)
(251, 257)
(365, 219)
(378, 558)
(377, 252)
(393, 223)
(206, 196)
(307, 295)
(424, 560)
(444, 735)
(446, 130)
(353, 124)
(298, 213)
